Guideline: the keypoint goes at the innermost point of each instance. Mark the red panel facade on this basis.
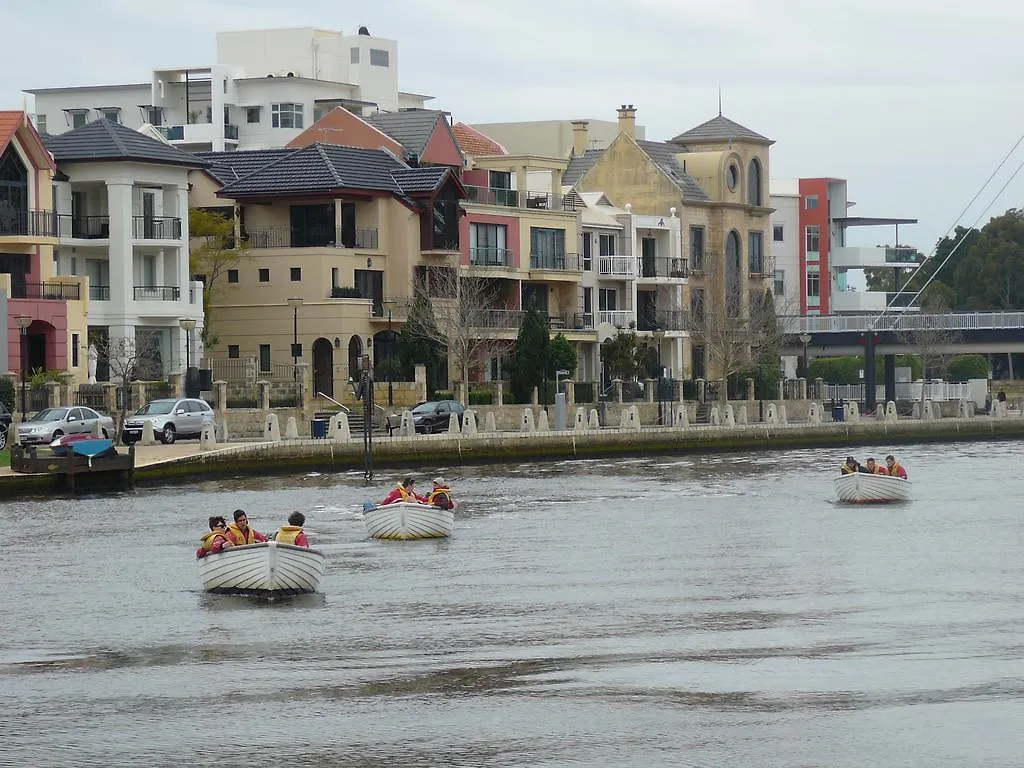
(810, 188)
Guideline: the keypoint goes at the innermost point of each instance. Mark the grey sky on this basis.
(914, 102)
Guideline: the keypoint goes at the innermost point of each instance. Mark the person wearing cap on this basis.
(850, 466)
(441, 495)
(240, 532)
(404, 491)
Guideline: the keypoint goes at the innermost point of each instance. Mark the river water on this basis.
(680, 611)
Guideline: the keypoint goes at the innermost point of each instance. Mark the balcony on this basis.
(663, 267)
(858, 257)
(663, 320)
(617, 266)
(759, 269)
(285, 237)
(198, 133)
(99, 293)
(511, 198)
(556, 262)
(490, 257)
(156, 228)
(620, 318)
(17, 223)
(157, 293)
(83, 227)
(48, 291)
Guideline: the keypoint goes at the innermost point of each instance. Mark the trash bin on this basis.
(838, 413)
(318, 429)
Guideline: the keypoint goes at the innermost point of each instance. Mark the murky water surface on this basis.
(706, 611)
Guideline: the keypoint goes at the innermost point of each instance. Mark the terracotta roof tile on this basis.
(9, 122)
(474, 143)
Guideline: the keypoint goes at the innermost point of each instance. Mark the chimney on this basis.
(627, 120)
(579, 137)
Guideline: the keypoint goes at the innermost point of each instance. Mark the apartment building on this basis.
(45, 314)
(264, 89)
(121, 200)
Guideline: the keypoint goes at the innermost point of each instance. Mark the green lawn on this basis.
(5, 457)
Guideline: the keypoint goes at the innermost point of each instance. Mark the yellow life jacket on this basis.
(439, 496)
(236, 535)
(846, 469)
(209, 538)
(288, 534)
(407, 495)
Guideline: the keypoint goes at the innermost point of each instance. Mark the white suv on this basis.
(171, 419)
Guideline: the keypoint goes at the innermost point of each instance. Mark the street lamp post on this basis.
(24, 321)
(188, 325)
(295, 303)
(390, 358)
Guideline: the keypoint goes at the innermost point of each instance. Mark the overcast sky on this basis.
(913, 101)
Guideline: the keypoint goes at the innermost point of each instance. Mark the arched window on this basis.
(13, 185)
(733, 275)
(754, 182)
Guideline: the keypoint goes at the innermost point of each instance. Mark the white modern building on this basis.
(265, 88)
(121, 200)
(785, 245)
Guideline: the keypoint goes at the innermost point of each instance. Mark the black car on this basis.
(5, 425)
(430, 417)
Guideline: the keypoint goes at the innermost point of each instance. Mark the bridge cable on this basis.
(974, 199)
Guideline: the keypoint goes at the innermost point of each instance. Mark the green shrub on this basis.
(444, 394)
(964, 367)
(345, 292)
(7, 391)
(480, 397)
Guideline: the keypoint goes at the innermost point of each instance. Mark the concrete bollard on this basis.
(632, 419)
(489, 424)
(338, 429)
(593, 419)
(681, 417)
(291, 429)
(526, 421)
(741, 416)
(97, 429)
(148, 436)
(223, 435)
(783, 415)
(542, 420)
(928, 413)
(730, 416)
(271, 429)
(999, 409)
(207, 438)
(915, 410)
(851, 411)
(469, 423)
(715, 417)
(623, 418)
(771, 414)
(814, 413)
(890, 412)
(406, 427)
(453, 424)
(580, 422)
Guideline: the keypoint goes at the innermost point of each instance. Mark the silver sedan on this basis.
(52, 423)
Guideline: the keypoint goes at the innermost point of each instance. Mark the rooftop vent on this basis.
(364, 31)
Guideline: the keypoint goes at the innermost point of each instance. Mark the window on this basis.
(252, 114)
(154, 115)
(697, 304)
(755, 252)
(811, 202)
(264, 358)
(353, 55)
(233, 351)
(264, 274)
(499, 179)
(296, 274)
(113, 114)
(286, 115)
(813, 287)
(41, 123)
(78, 119)
(334, 277)
(780, 282)
(588, 301)
(547, 248)
(74, 350)
(488, 245)
(778, 234)
(732, 176)
(232, 275)
(607, 299)
(379, 58)
(588, 251)
(697, 247)
(754, 182)
(606, 245)
(813, 241)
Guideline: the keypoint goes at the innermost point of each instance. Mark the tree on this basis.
(531, 358)
(930, 337)
(129, 359)
(621, 356)
(991, 275)
(418, 345)
(561, 356)
(213, 251)
(965, 367)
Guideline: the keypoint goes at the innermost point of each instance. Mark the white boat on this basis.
(405, 520)
(268, 569)
(862, 488)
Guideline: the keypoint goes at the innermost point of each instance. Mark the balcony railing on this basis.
(903, 256)
(498, 318)
(620, 318)
(663, 266)
(99, 293)
(15, 223)
(157, 293)
(285, 237)
(156, 228)
(663, 320)
(583, 321)
(172, 132)
(490, 257)
(617, 265)
(558, 262)
(511, 198)
(50, 291)
(83, 227)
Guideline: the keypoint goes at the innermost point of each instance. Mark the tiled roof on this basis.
(664, 156)
(474, 143)
(9, 122)
(411, 128)
(322, 168)
(579, 165)
(102, 140)
(720, 128)
(227, 167)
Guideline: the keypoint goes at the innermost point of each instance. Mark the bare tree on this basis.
(129, 359)
(464, 306)
(929, 335)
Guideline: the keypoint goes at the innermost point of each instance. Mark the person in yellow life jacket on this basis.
(441, 495)
(293, 533)
(849, 466)
(404, 491)
(873, 468)
(240, 531)
(895, 468)
(216, 540)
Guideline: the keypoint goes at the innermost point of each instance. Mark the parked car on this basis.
(51, 423)
(5, 425)
(432, 416)
(172, 419)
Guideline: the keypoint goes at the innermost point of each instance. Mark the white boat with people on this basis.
(404, 514)
(872, 483)
(267, 569)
